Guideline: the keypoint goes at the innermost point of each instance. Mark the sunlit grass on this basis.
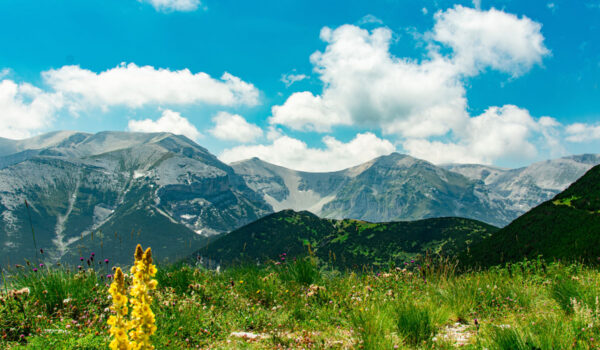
(302, 303)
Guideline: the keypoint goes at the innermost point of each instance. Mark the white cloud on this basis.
(289, 79)
(581, 132)
(424, 10)
(493, 38)
(25, 109)
(293, 153)
(169, 121)
(234, 127)
(369, 19)
(134, 86)
(365, 85)
(497, 133)
(174, 5)
(4, 73)
(305, 111)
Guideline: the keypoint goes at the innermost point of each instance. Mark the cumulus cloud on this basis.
(581, 132)
(365, 85)
(293, 153)
(169, 121)
(174, 5)
(291, 78)
(493, 38)
(234, 127)
(25, 109)
(134, 86)
(497, 133)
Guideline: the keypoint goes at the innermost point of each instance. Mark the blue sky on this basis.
(312, 85)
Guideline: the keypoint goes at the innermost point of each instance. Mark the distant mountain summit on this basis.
(158, 189)
(565, 227)
(399, 187)
(524, 188)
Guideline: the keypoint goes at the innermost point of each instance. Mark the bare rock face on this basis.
(399, 187)
(92, 191)
(524, 188)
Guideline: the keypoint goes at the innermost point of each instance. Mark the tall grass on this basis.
(415, 323)
(299, 304)
(54, 288)
(372, 325)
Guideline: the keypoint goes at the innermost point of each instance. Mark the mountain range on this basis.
(158, 189)
(400, 187)
(106, 192)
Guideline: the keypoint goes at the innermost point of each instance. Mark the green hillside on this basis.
(344, 243)
(566, 227)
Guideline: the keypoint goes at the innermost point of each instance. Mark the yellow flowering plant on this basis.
(118, 322)
(134, 333)
(142, 318)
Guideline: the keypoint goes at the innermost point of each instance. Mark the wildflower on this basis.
(41, 250)
(15, 293)
(34, 269)
(41, 265)
(81, 258)
(106, 261)
(142, 318)
(109, 276)
(79, 267)
(118, 321)
(93, 254)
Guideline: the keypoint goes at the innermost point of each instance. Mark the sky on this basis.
(311, 85)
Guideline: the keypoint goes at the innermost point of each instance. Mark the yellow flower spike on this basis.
(142, 318)
(118, 322)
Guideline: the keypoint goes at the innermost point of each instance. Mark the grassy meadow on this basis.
(301, 304)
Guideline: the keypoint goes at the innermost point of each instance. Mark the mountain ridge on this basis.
(507, 193)
(80, 183)
(344, 243)
(564, 227)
